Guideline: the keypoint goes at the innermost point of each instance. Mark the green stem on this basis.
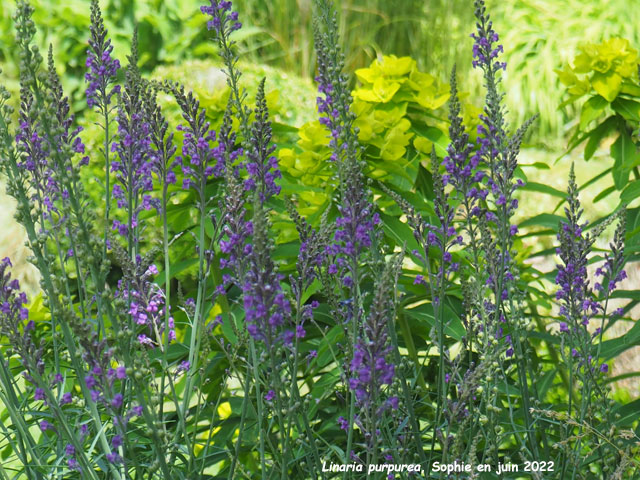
(256, 375)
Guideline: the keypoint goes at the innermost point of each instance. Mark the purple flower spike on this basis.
(102, 67)
(485, 50)
(370, 367)
(223, 20)
(133, 167)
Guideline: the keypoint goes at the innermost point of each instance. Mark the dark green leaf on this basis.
(597, 135)
(629, 109)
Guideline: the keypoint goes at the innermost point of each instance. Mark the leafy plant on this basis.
(195, 324)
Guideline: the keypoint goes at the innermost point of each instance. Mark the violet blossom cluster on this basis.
(133, 168)
(485, 53)
(370, 367)
(267, 309)
(34, 157)
(237, 229)
(223, 21)
(357, 219)
(161, 141)
(261, 165)
(14, 320)
(103, 68)
(68, 137)
(442, 236)
(146, 305)
(580, 303)
(498, 152)
(461, 162)
(197, 152)
(312, 253)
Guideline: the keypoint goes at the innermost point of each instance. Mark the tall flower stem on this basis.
(194, 342)
(260, 407)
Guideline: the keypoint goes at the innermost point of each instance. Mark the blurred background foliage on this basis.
(539, 36)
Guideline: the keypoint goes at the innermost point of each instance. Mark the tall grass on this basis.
(542, 35)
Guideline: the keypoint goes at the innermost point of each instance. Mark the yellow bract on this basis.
(608, 65)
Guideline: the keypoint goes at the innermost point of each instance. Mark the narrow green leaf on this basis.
(547, 220)
(631, 192)
(542, 188)
(604, 194)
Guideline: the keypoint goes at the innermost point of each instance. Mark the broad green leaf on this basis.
(545, 383)
(591, 110)
(628, 414)
(614, 347)
(629, 109)
(399, 232)
(626, 156)
(630, 89)
(454, 327)
(537, 165)
(597, 135)
(176, 268)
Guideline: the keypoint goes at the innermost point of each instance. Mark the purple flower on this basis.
(73, 464)
(370, 367)
(39, 395)
(485, 53)
(223, 20)
(133, 167)
(116, 402)
(579, 302)
(137, 411)
(261, 165)
(102, 67)
(343, 423)
(198, 155)
(116, 441)
(121, 373)
(146, 307)
(270, 395)
(45, 425)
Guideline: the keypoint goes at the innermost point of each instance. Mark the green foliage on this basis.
(610, 68)
(607, 75)
(401, 118)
